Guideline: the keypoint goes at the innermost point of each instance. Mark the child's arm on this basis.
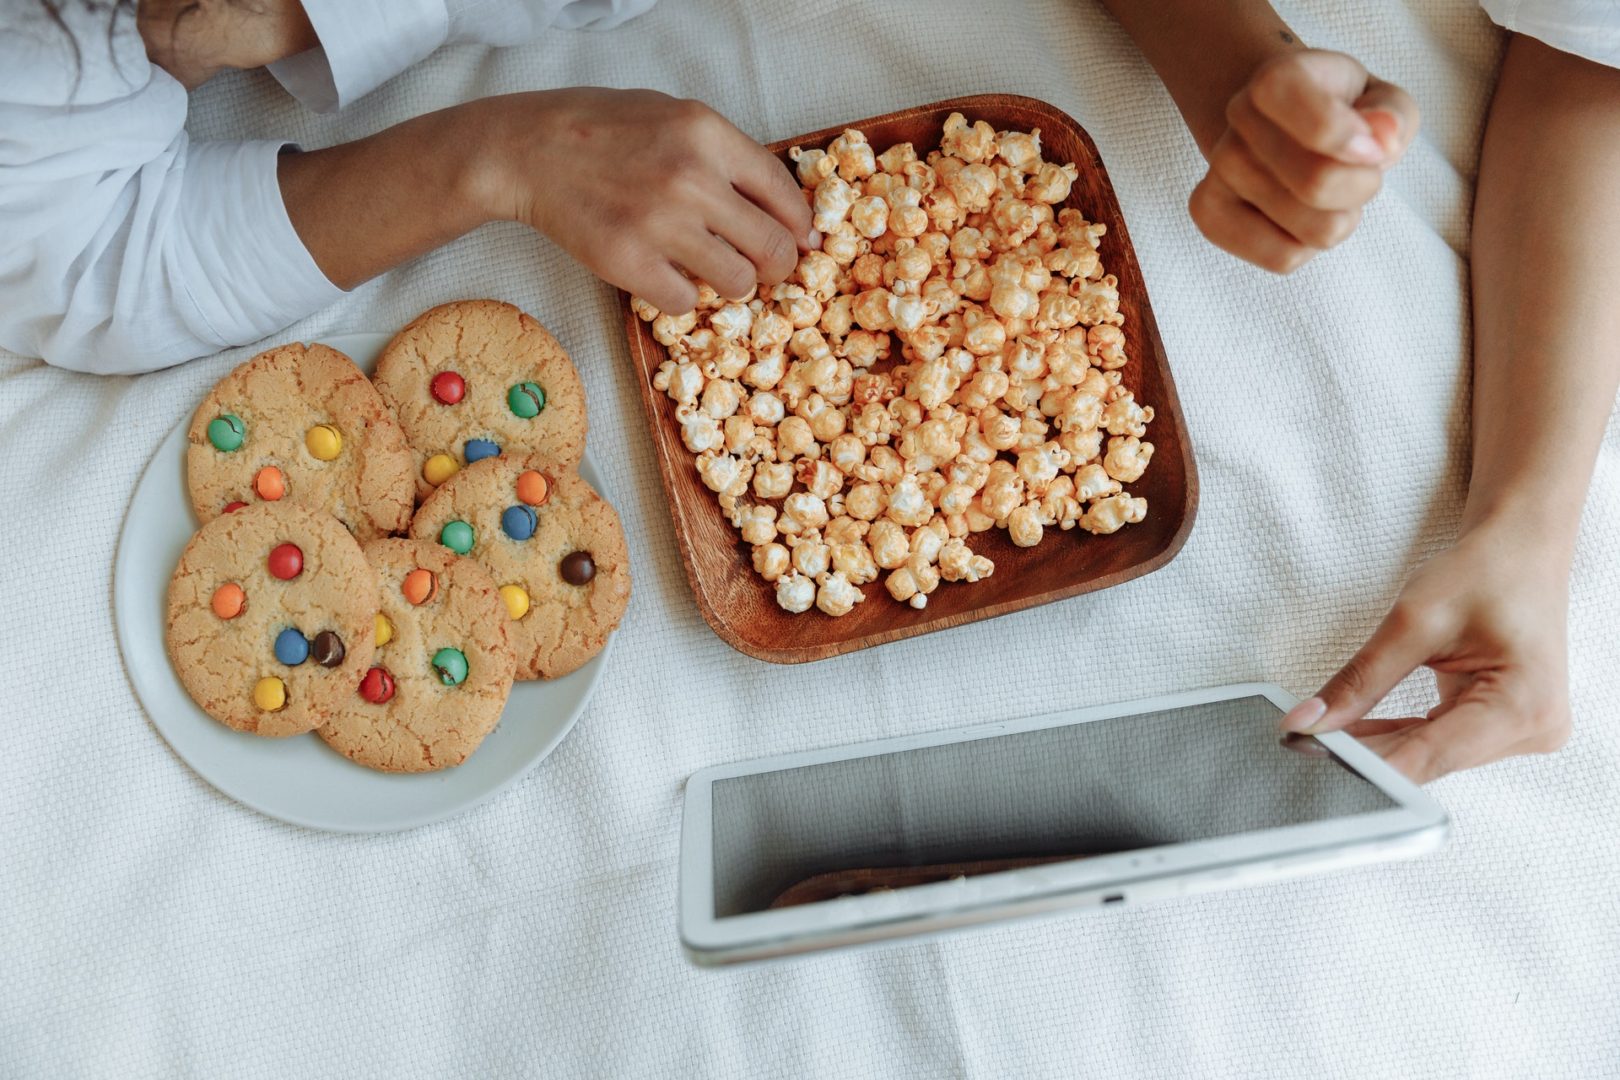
(631, 182)
(1297, 139)
(1488, 615)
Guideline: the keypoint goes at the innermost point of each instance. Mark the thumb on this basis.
(1403, 641)
(1392, 115)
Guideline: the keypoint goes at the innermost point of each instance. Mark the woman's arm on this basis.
(1489, 614)
(637, 185)
(1297, 139)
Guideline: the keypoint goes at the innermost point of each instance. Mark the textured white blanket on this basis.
(151, 927)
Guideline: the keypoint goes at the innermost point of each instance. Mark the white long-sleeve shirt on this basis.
(125, 246)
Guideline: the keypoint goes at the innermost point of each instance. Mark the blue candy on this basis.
(292, 648)
(479, 449)
(519, 522)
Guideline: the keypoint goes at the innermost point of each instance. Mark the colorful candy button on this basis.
(229, 600)
(457, 536)
(234, 505)
(269, 484)
(526, 399)
(533, 487)
(479, 449)
(292, 648)
(327, 649)
(377, 686)
(383, 630)
(439, 468)
(286, 561)
(419, 586)
(448, 387)
(451, 666)
(227, 432)
(516, 599)
(270, 694)
(518, 522)
(577, 568)
(324, 442)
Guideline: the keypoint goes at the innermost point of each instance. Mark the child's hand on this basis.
(1306, 145)
(639, 186)
(1489, 617)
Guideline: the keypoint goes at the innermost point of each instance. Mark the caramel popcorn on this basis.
(950, 361)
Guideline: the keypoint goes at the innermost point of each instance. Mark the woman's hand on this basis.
(1307, 141)
(640, 186)
(1488, 616)
(194, 40)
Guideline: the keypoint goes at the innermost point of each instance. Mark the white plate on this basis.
(302, 780)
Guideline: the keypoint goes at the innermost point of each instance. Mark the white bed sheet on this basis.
(151, 927)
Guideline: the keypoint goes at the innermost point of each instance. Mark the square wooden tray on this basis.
(741, 606)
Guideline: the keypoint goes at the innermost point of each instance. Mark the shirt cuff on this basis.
(241, 264)
(364, 43)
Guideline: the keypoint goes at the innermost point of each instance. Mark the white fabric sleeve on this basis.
(125, 247)
(364, 43)
(1584, 28)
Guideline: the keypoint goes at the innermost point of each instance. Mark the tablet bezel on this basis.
(1414, 825)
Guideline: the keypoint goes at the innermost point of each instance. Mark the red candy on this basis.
(377, 686)
(448, 387)
(233, 507)
(286, 561)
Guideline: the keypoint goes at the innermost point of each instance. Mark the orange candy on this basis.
(533, 488)
(269, 484)
(420, 586)
(229, 600)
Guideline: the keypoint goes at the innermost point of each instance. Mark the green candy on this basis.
(526, 399)
(227, 432)
(450, 665)
(457, 536)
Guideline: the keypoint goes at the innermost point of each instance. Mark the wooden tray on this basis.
(741, 606)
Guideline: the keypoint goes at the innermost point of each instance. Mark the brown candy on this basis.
(327, 649)
(577, 568)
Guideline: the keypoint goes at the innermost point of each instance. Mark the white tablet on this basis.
(1084, 809)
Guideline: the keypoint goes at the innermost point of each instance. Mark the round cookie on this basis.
(270, 618)
(533, 526)
(301, 424)
(440, 677)
(485, 373)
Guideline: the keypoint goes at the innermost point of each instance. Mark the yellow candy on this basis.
(517, 601)
(270, 694)
(439, 468)
(385, 630)
(323, 442)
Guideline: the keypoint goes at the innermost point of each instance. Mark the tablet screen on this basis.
(1195, 773)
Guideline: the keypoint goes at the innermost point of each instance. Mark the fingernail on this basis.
(1303, 717)
(813, 240)
(1364, 148)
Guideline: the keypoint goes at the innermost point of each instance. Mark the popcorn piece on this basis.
(836, 595)
(958, 563)
(795, 592)
(813, 166)
(832, 202)
(854, 155)
(889, 543)
(773, 480)
(1024, 525)
(975, 142)
(854, 560)
(1127, 458)
(811, 556)
(908, 505)
(771, 561)
(1112, 513)
(758, 524)
(667, 329)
